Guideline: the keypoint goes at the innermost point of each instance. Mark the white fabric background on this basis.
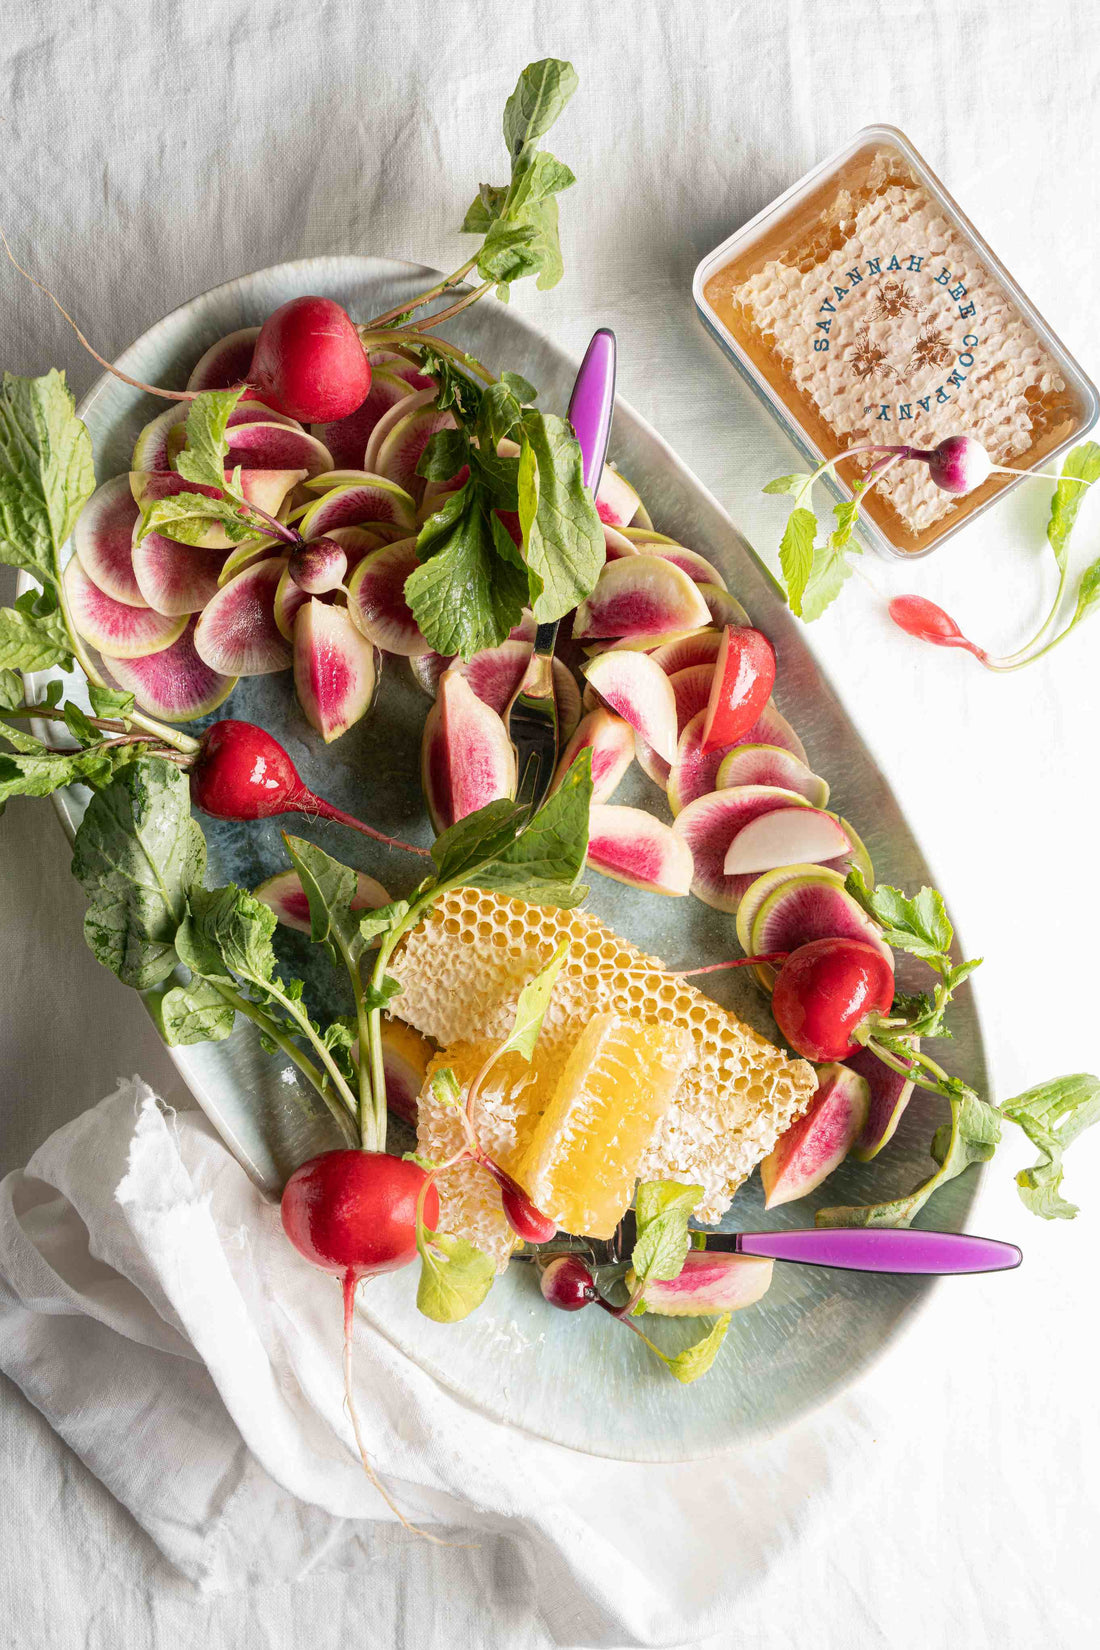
(149, 155)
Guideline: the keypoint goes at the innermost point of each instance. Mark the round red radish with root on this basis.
(308, 361)
(744, 675)
(354, 1213)
(828, 991)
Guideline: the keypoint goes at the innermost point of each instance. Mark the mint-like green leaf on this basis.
(1080, 465)
(545, 862)
(563, 536)
(330, 888)
(377, 996)
(662, 1210)
(687, 1366)
(203, 459)
(828, 572)
(789, 484)
(46, 472)
(187, 517)
(30, 643)
(1088, 594)
(796, 554)
(455, 1277)
(110, 702)
(137, 855)
(445, 1087)
(195, 1013)
(919, 925)
(1052, 1115)
(464, 597)
(541, 93)
(11, 691)
(531, 1006)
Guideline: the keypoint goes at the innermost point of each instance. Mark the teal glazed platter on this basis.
(559, 1376)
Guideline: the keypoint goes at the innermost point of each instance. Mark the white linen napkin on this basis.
(152, 1309)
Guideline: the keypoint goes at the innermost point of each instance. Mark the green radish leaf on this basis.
(563, 537)
(545, 862)
(1052, 1115)
(24, 744)
(444, 455)
(39, 772)
(521, 388)
(46, 473)
(195, 1013)
(11, 691)
(796, 483)
(330, 888)
(230, 933)
(477, 839)
(186, 517)
(110, 702)
(377, 996)
(919, 925)
(381, 921)
(531, 1007)
(30, 643)
(464, 598)
(846, 515)
(687, 1366)
(76, 720)
(796, 554)
(662, 1211)
(445, 1087)
(541, 93)
(1080, 465)
(455, 1277)
(203, 459)
(498, 414)
(137, 855)
(1088, 593)
(828, 572)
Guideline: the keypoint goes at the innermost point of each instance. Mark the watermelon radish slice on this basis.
(388, 422)
(376, 599)
(639, 595)
(226, 363)
(496, 673)
(724, 608)
(244, 554)
(708, 826)
(288, 899)
(272, 446)
(154, 448)
(289, 597)
(236, 633)
(616, 544)
(700, 648)
(174, 684)
(400, 453)
(102, 538)
(335, 669)
(403, 366)
(633, 847)
(771, 765)
(759, 890)
(789, 836)
(639, 691)
(611, 741)
(175, 578)
(696, 567)
(695, 771)
(691, 690)
(346, 438)
(466, 756)
(357, 542)
(617, 502)
(371, 498)
(427, 668)
(810, 907)
(890, 1094)
(115, 629)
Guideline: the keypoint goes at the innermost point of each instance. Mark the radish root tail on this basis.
(135, 383)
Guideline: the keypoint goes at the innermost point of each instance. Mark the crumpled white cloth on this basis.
(152, 1309)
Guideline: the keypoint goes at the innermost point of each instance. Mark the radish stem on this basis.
(425, 297)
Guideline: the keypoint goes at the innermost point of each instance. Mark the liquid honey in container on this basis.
(864, 308)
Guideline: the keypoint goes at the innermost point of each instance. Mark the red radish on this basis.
(744, 675)
(309, 362)
(827, 991)
(928, 623)
(354, 1213)
(567, 1283)
(318, 567)
(957, 465)
(525, 1220)
(242, 773)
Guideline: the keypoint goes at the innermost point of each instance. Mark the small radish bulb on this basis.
(829, 990)
(928, 623)
(567, 1283)
(525, 1220)
(318, 567)
(959, 464)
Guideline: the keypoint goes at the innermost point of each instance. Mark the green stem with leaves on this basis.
(271, 1028)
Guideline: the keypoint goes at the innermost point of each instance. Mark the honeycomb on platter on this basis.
(461, 972)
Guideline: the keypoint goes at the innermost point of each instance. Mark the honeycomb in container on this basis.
(461, 972)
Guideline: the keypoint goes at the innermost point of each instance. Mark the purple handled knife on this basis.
(532, 716)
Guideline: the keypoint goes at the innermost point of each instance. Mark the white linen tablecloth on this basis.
(149, 155)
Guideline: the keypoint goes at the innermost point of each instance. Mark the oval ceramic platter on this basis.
(571, 1378)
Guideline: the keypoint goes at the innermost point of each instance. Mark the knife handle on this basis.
(891, 1249)
(592, 404)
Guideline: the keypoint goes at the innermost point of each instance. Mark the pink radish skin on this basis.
(525, 1220)
(112, 628)
(308, 361)
(744, 675)
(103, 538)
(567, 1283)
(639, 596)
(820, 1140)
(631, 846)
(236, 632)
(173, 684)
(335, 669)
(242, 773)
(318, 567)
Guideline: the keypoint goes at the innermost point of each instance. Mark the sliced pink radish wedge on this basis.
(173, 684)
(790, 836)
(639, 596)
(272, 446)
(117, 630)
(347, 438)
(102, 539)
(376, 599)
(890, 1093)
(405, 366)
(708, 826)
(467, 759)
(611, 741)
(226, 363)
(639, 691)
(246, 553)
(154, 448)
(696, 567)
(496, 672)
(427, 668)
(820, 1140)
(371, 498)
(176, 578)
(616, 545)
(771, 765)
(389, 420)
(700, 648)
(288, 899)
(691, 688)
(335, 669)
(400, 453)
(724, 608)
(236, 632)
(808, 907)
(764, 885)
(616, 500)
(633, 847)
(290, 598)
